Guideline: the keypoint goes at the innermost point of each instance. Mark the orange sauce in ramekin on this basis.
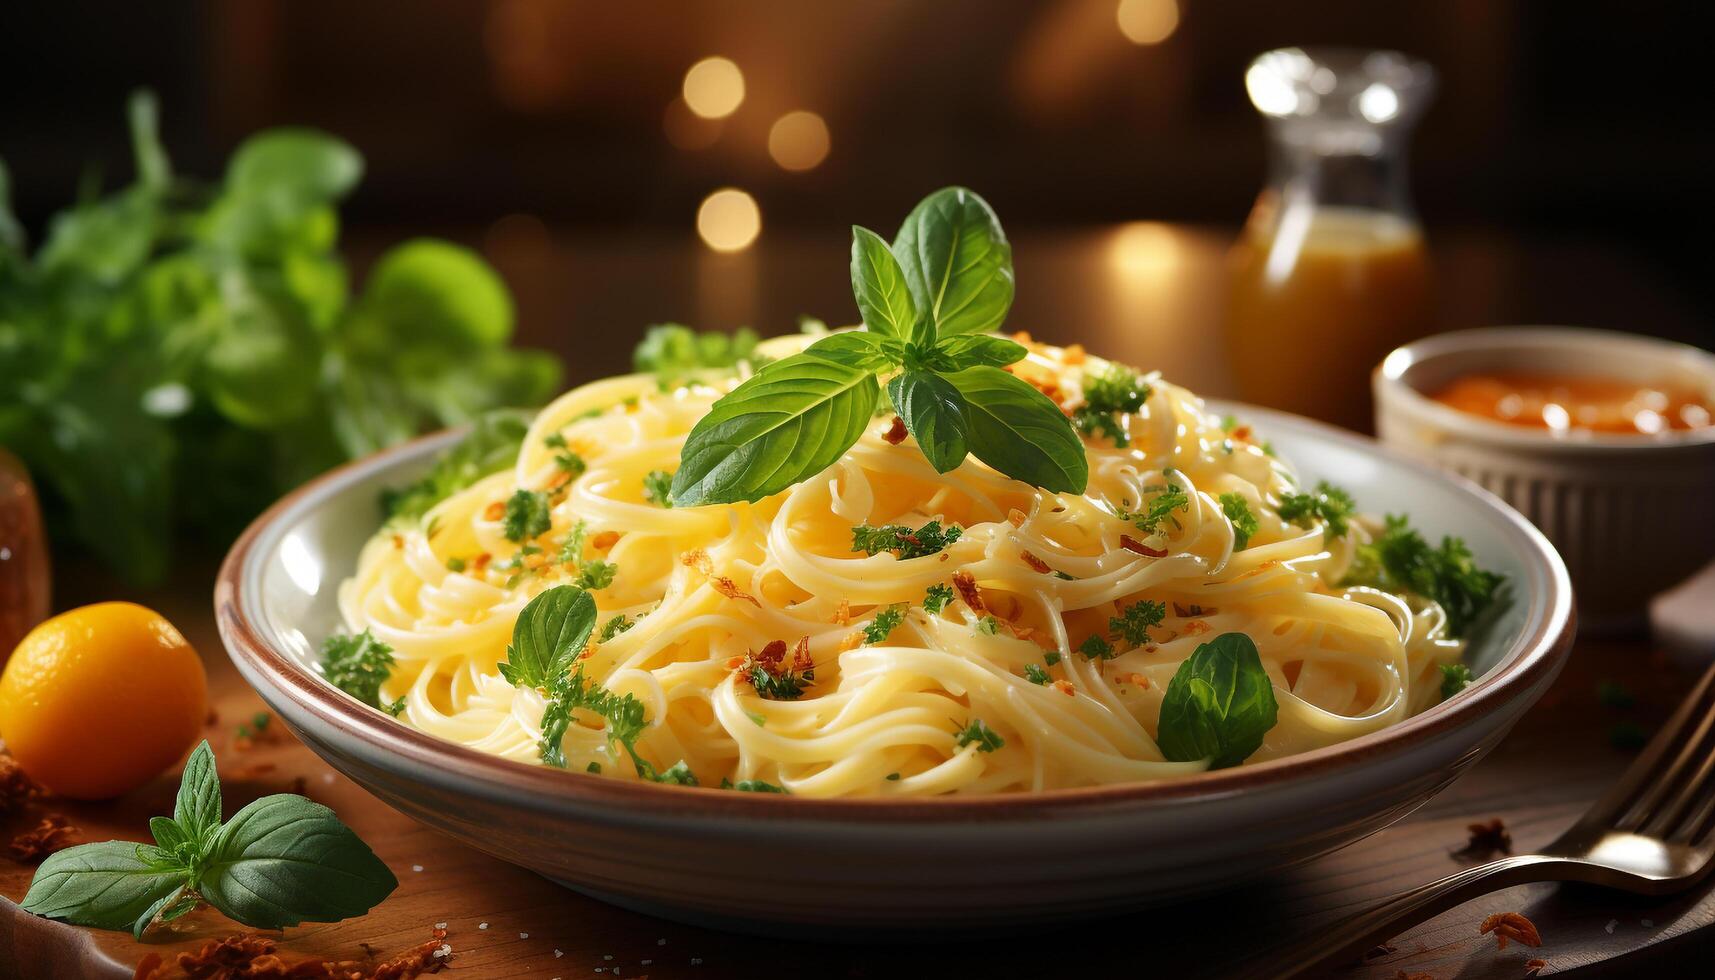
(1571, 402)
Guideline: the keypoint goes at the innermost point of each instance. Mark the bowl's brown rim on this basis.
(1531, 659)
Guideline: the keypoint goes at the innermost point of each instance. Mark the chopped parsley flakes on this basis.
(1115, 391)
(358, 665)
(1035, 674)
(1134, 621)
(882, 626)
(527, 515)
(1097, 648)
(979, 734)
(657, 488)
(753, 786)
(1239, 512)
(988, 626)
(904, 542)
(1328, 503)
(1160, 511)
(616, 626)
(1454, 678)
(1399, 559)
(936, 599)
(622, 717)
(596, 574)
(566, 460)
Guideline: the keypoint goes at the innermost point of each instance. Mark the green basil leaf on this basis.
(105, 240)
(789, 421)
(957, 264)
(107, 885)
(971, 350)
(492, 445)
(431, 293)
(197, 810)
(262, 369)
(934, 414)
(1219, 704)
(303, 163)
(170, 906)
(170, 836)
(1020, 432)
(878, 282)
(284, 859)
(548, 635)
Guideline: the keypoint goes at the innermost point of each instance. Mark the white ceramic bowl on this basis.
(855, 866)
(1631, 515)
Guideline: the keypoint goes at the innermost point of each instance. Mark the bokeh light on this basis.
(1147, 21)
(729, 220)
(798, 141)
(714, 88)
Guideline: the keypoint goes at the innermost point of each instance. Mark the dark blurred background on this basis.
(527, 125)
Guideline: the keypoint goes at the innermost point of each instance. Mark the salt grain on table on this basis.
(417, 867)
(482, 925)
(440, 925)
(1610, 926)
(523, 935)
(558, 954)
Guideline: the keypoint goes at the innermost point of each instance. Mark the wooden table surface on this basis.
(586, 299)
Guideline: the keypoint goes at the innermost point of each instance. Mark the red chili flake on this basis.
(1510, 925)
(698, 559)
(54, 833)
(481, 561)
(1073, 354)
(494, 511)
(604, 540)
(1194, 628)
(771, 654)
(399, 541)
(895, 433)
(725, 586)
(211, 719)
(1066, 688)
(1242, 433)
(1036, 563)
(1533, 967)
(1132, 544)
(842, 613)
(966, 583)
(801, 661)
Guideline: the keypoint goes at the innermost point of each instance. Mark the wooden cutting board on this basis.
(502, 921)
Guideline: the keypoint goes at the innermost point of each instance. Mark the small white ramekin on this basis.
(1631, 514)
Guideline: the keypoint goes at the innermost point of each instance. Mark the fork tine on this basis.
(1699, 823)
(1654, 811)
(1667, 811)
(1656, 768)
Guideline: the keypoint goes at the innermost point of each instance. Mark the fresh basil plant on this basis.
(930, 302)
(281, 860)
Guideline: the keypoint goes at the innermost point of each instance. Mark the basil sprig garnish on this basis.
(929, 302)
(1219, 704)
(279, 861)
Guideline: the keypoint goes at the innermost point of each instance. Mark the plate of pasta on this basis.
(960, 627)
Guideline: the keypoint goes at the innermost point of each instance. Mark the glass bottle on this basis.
(1329, 273)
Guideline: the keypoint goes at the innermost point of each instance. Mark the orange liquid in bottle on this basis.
(1316, 298)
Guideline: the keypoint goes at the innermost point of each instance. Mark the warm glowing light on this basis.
(1144, 250)
(714, 88)
(1378, 103)
(1147, 21)
(729, 220)
(798, 140)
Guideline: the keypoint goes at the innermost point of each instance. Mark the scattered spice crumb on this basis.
(1511, 925)
(1380, 950)
(482, 925)
(1533, 967)
(54, 833)
(417, 867)
(607, 956)
(440, 925)
(212, 719)
(15, 787)
(558, 953)
(252, 955)
(1486, 837)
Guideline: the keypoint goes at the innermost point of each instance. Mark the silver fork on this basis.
(1653, 834)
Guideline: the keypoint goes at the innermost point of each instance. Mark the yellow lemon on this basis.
(97, 701)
